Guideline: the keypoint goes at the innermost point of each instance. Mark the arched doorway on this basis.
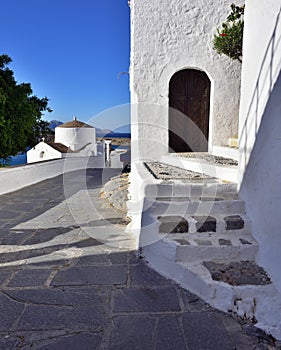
(189, 102)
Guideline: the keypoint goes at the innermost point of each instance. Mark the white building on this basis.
(185, 97)
(76, 135)
(173, 65)
(72, 139)
(46, 151)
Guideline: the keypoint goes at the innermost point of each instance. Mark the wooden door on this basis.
(189, 102)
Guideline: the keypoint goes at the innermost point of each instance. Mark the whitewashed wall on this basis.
(168, 36)
(260, 129)
(75, 138)
(42, 152)
(115, 161)
(15, 178)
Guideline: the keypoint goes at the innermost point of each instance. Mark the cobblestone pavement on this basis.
(70, 280)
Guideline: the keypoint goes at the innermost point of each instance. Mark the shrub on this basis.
(229, 38)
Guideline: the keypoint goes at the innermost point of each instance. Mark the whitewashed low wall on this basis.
(115, 158)
(15, 178)
(139, 178)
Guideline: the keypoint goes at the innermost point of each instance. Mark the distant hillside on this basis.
(103, 132)
(54, 124)
(99, 132)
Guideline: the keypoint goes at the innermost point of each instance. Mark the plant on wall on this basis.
(228, 39)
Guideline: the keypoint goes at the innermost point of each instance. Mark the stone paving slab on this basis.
(63, 288)
(29, 278)
(10, 311)
(92, 275)
(79, 341)
(65, 296)
(167, 325)
(145, 299)
(132, 332)
(142, 275)
(49, 317)
(209, 338)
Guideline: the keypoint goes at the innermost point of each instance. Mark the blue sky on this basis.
(71, 51)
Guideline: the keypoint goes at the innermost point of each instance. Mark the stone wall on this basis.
(168, 36)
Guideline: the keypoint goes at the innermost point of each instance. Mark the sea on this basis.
(119, 135)
(19, 159)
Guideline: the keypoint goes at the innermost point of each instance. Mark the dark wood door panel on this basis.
(189, 94)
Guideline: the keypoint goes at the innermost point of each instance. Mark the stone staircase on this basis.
(201, 227)
(198, 233)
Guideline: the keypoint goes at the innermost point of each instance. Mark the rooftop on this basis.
(59, 147)
(75, 124)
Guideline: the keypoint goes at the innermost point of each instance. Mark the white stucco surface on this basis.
(15, 178)
(168, 36)
(75, 138)
(41, 152)
(260, 130)
(115, 158)
(261, 68)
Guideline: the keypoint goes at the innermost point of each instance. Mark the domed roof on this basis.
(75, 124)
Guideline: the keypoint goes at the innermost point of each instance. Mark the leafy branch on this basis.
(229, 38)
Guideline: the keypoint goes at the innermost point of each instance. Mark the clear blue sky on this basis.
(71, 51)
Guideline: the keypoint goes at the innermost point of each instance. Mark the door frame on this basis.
(210, 112)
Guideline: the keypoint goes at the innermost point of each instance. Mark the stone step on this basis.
(220, 224)
(226, 151)
(239, 291)
(203, 238)
(215, 247)
(199, 190)
(238, 286)
(185, 206)
(225, 171)
(193, 237)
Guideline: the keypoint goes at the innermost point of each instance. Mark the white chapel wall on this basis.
(260, 129)
(41, 152)
(75, 138)
(168, 36)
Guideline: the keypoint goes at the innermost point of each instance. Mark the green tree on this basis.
(20, 113)
(229, 38)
